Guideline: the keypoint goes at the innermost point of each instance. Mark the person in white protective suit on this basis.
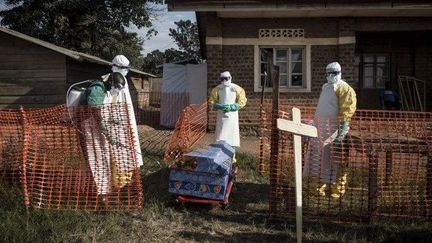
(108, 148)
(227, 98)
(336, 106)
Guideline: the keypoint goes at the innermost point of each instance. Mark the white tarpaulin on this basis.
(181, 85)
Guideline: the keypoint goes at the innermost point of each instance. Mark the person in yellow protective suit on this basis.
(227, 98)
(336, 106)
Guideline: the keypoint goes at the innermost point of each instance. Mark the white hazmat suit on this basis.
(108, 153)
(227, 98)
(336, 106)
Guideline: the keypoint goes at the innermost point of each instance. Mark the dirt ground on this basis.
(248, 145)
(151, 138)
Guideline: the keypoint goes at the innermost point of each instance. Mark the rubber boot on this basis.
(322, 190)
(316, 187)
(338, 189)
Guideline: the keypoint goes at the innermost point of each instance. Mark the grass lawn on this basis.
(246, 220)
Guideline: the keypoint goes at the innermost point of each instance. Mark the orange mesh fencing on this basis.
(189, 128)
(263, 162)
(84, 158)
(382, 169)
(11, 143)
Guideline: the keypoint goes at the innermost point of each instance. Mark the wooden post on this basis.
(263, 88)
(373, 183)
(25, 150)
(429, 181)
(274, 146)
(298, 129)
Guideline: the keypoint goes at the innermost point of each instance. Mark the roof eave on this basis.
(78, 56)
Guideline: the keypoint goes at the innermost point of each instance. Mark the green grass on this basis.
(160, 220)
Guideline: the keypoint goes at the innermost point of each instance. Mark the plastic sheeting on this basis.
(181, 85)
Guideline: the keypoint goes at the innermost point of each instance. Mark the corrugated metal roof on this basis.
(79, 56)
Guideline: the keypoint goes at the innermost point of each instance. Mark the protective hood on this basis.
(333, 72)
(225, 78)
(333, 67)
(120, 64)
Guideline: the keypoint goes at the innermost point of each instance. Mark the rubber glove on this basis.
(113, 140)
(218, 106)
(104, 128)
(344, 126)
(234, 107)
(226, 108)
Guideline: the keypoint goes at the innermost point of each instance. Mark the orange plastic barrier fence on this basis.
(189, 128)
(84, 158)
(11, 144)
(382, 169)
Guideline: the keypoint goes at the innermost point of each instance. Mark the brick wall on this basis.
(239, 59)
(313, 27)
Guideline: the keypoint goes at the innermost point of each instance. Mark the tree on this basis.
(96, 27)
(152, 60)
(156, 58)
(187, 39)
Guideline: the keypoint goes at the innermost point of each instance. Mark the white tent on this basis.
(181, 85)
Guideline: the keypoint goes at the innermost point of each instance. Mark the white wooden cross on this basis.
(299, 129)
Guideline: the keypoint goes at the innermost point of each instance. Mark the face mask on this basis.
(123, 71)
(226, 81)
(115, 91)
(333, 78)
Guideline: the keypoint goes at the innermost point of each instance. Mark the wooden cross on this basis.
(299, 129)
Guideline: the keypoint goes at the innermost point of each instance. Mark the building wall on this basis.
(80, 71)
(34, 76)
(230, 46)
(239, 59)
(423, 64)
(409, 56)
(30, 75)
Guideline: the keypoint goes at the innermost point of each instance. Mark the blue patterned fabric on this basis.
(198, 184)
(226, 148)
(210, 177)
(212, 160)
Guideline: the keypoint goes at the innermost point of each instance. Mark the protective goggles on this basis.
(333, 73)
(121, 67)
(224, 78)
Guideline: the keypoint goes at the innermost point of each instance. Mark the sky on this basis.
(162, 23)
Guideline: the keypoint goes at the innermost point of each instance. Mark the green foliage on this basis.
(92, 26)
(156, 57)
(186, 37)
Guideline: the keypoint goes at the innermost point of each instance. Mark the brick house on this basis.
(375, 41)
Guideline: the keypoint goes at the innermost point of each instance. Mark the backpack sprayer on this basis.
(74, 96)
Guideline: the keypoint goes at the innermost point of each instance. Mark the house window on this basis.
(372, 70)
(292, 67)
